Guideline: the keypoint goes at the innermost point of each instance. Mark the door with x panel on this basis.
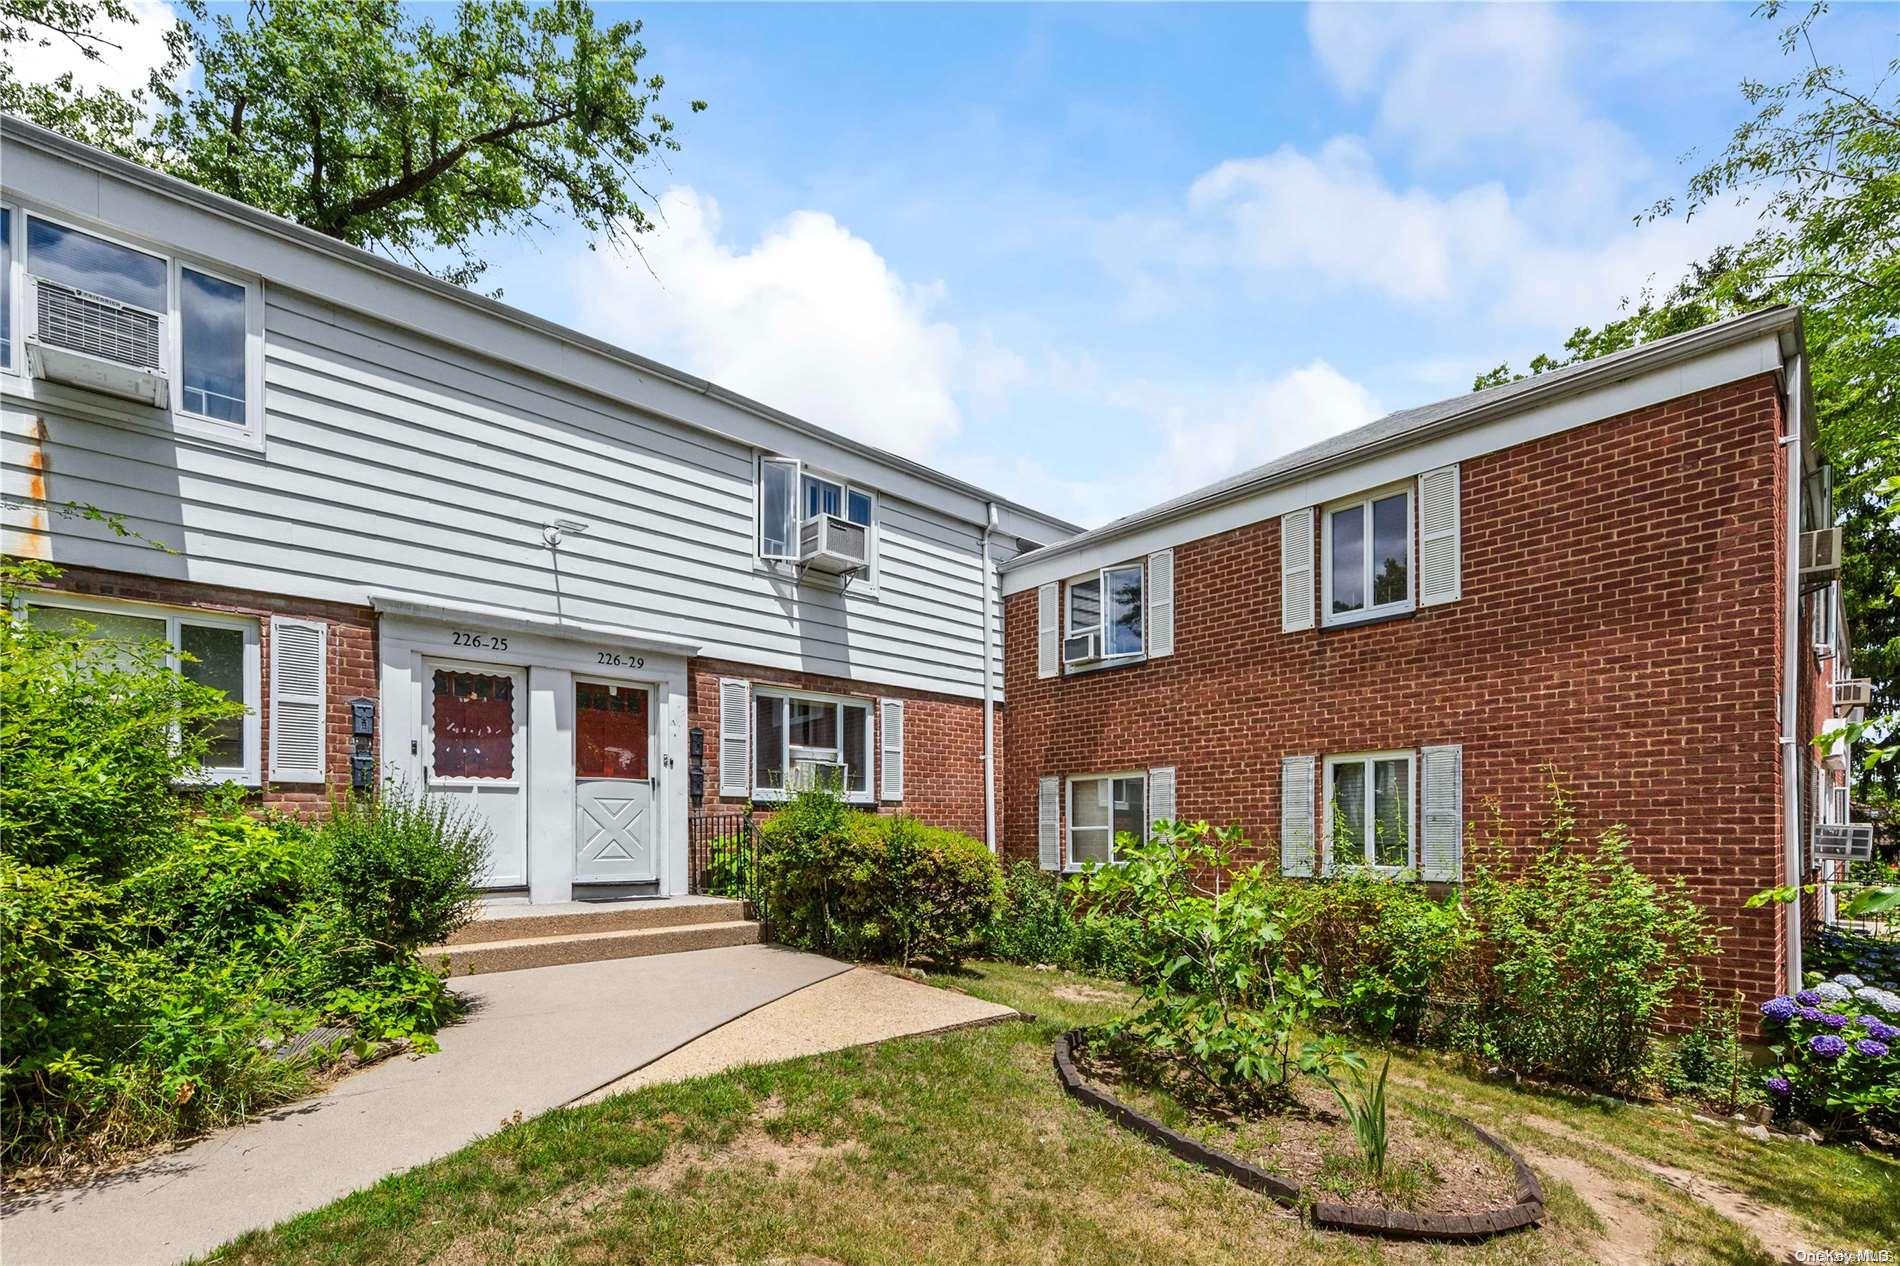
(613, 783)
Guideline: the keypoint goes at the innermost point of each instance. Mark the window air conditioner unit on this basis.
(832, 544)
(1855, 692)
(808, 775)
(1082, 648)
(87, 340)
(1841, 841)
(1820, 556)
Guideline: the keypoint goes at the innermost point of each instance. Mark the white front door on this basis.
(613, 783)
(475, 736)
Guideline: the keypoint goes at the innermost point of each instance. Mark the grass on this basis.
(961, 1149)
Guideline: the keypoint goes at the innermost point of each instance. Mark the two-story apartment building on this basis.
(1358, 650)
(418, 532)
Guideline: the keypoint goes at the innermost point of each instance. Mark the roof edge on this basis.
(16, 130)
(1783, 320)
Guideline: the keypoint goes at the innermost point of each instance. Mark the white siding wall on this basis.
(395, 464)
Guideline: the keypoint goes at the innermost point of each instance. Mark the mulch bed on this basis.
(1445, 1178)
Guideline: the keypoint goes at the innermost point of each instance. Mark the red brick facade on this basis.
(1619, 613)
(350, 666)
(943, 742)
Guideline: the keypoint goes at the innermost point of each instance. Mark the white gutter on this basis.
(989, 685)
(1791, 743)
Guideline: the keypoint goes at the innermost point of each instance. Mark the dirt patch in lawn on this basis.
(785, 1158)
(1434, 1164)
(1086, 993)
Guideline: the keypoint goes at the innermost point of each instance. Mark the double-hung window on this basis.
(1102, 809)
(211, 649)
(801, 741)
(789, 496)
(1108, 606)
(201, 329)
(1369, 810)
(1368, 557)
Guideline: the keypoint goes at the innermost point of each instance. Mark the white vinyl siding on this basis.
(1160, 603)
(1296, 571)
(1296, 816)
(891, 753)
(298, 650)
(1441, 836)
(1440, 551)
(1049, 823)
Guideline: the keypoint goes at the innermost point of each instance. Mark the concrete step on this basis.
(486, 957)
(502, 923)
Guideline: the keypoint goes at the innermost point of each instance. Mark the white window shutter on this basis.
(296, 699)
(890, 721)
(1160, 640)
(1048, 637)
(1296, 571)
(1296, 815)
(1442, 803)
(1161, 794)
(1438, 545)
(735, 731)
(1049, 823)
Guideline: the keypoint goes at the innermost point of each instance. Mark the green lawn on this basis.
(961, 1148)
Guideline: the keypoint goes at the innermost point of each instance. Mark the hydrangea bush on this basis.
(1873, 960)
(1837, 1047)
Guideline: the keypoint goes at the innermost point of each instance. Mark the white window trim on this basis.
(776, 794)
(1068, 814)
(1411, 810)
(246, 774)
(867, 584)
(16, 243)
(1100, 576)
(248, 435)
(1364, 501)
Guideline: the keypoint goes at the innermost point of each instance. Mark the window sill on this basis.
(1356, 618)
(1104, 665)
(862, 799)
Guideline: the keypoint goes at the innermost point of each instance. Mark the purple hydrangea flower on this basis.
(1807, 998)
(1829, 991)
(1870, 1048)
(1827, 1046)
(1813, 1015)
(1878, 1031)
(1833, 1021)
(1779, 1008)
(1779, 1087)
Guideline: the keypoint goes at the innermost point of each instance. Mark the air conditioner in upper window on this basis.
(833, 544)
(1855, 692)
(1082, 648)
(90, 341)
(807, 775)
(1820, 556)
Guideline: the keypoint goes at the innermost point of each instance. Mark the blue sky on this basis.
(1093, 256)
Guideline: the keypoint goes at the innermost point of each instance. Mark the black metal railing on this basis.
(723, 858)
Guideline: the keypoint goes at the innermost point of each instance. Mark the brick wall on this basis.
(943, 742)
(350, 659)
(1618, 618)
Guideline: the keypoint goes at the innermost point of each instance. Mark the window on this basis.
(472, 726)
(1369, 558)
(1101, 810)
(212, 650)
(1369, 809)
(800, 740)
(6, 288)
(210, 337)
(788, 497)
(1109, 603)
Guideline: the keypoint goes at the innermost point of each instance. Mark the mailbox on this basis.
(362, 771)
(696, 764)
(696, 743)
(363, 716)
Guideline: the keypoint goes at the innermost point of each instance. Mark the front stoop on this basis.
(502, 941)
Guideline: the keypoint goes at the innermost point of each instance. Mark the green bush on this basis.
(404, 867)
(1579, 956)
(1389, 955)
(869, 886)
(729, 867)
(1039, 923)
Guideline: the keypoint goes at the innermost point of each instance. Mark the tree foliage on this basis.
(379, 124)
(1820, 158)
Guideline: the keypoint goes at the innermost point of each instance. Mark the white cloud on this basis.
(810, 319)
(129, 54)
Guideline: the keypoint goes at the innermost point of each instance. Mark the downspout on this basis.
(1791, 721)
(989, 684)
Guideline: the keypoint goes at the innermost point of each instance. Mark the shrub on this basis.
(1708, 1062)
(1384, 948)
(1834, 950)
(405, 868)
(1580, 955)
(1039, 922)
(1219, 995)
(729, 867)
(1837, 1047)
(874, 887)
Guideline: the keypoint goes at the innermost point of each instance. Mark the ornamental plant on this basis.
(1221, 998)
(1837, 1050)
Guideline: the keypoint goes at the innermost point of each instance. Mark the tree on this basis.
(1821, 157)
(387, 129)
(103, 117)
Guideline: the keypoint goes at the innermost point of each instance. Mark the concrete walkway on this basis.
(855, 1008)
(535, 1040)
